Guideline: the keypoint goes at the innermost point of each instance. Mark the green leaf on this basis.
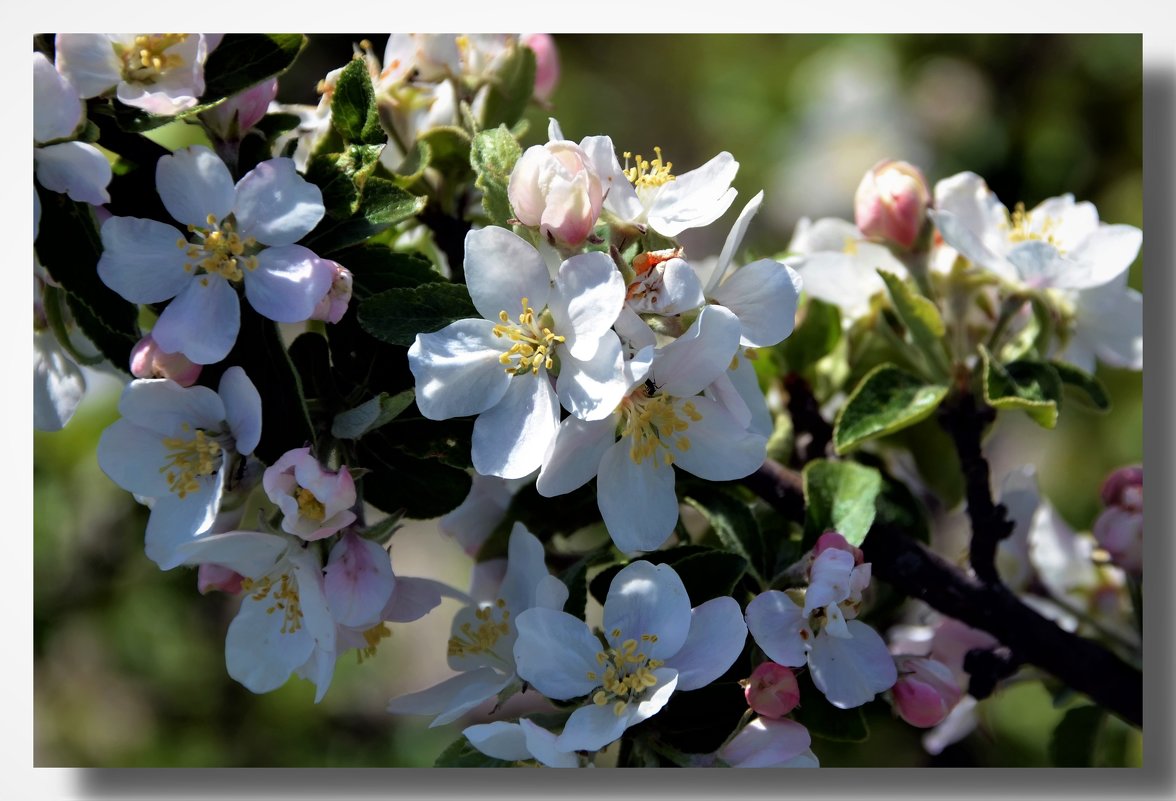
(816, 336)
(310, 356)
(839, 496)
(826, 721)
(460, 754)
(493, 155)
(376, 268)
(1033, 387)
(398, 315)
(422, 488)
(449, 149)
(353, 106)
(1075, 737)
(382, 204)
(371, 414)
(413, 167)
(1086, 389)
(510, 90)
(897, 506)
(734, 525)
(886, 400)
(445, 441)
(921, 318)
(341, 177)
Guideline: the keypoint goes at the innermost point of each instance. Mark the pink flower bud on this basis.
(925, 691)
(831, 539)
(772, 690)
(546, 63)
(315, 502)
(555, 187)
(1119, 529)
(231, 119)
(148, 360)
(334, 304)
(215, 577)
(891, 202)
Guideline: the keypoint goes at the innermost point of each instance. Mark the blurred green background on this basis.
(129, 666)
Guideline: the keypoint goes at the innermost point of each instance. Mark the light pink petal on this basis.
(201, 322)
(358, 581)
(851, 671)
(779, 627)
(716, 638)
(193, 183)
(288, 283)
(140, 260)
(275, 205)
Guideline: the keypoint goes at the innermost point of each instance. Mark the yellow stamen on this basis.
(533, 342)
(189, 460)
(647, 173)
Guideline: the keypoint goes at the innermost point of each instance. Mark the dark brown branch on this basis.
(806, 420)
(915, 571)
(965, 420)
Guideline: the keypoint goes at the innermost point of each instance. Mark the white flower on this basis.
(238, 234)
(484, 634)
(162, 73)
(840, 266)
(58, 383)
(661, 421)
(76, 168)
(849, 662)
(649, 194)
(498, 367)
(520, 741)
(656, 644)
(765, 743)
(315, 502)
(284, 621)
(178, 447)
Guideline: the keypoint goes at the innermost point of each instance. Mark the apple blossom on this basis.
(519, 742)
(162, 73)
(315, 502)
(77, 169)
(891, 203)
(500, 370)
(654, 644)
(1119, 528)
(765, 743)
(242, 234)
(926, 691)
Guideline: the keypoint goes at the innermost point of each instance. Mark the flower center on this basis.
(482, 639)
(145, 61)
(189, 459)
(283, 593)
(218, 250)
(626, 672)
(372, 637)
(309, 506)
(1023, 227)
(533, 342)
(645, 174)
(653, 422)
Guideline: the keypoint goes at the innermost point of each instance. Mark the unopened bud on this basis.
(230, 120)
(1119, 529)
(832, 539)
(555, 187)
(148, 360)
(891, 203)
(925, 691)
(546, 62)
(334, 304)
(214, 577)
(772, 690)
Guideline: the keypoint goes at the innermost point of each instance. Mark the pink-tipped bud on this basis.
(231, 119)
(215, 577)
(1119, 529)
(925, 691)
(891, 202)
(334, 304)
(555, 187)
(831, 539)
(772, 690)
(546, 63)
(148, 360)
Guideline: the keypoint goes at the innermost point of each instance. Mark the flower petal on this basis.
(501, 269)
(592, 389)
(58, 384)
(711, 279)
(692, 361)
(242, 408)
(765, 743)
(193, 183)
(719, 448)
(716, 638)
(288, 283)
(636, 500)
(131, 456)
(970, 245)
(258, 653)
(778, 627)
(575, 454)
(250, 553)
(57, 111)
(76, 168)
(499, 739)
(411, 599)
(589, 292)
(201, 322)
(647, 599)
(851, 671)
(275, 205)
(763, 296)
(1104, 255)
(457, 370)
(1110, 323)
(175, 521)
(542, 745)
(555, 653)
(975, 208)
(163, 406)
(453, 697)
(88, 61)
(140, 260)
(358, 581)
(511, 438)
(829, 579)
(696, 198)
(592, 727)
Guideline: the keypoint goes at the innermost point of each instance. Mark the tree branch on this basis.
(915, 571)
